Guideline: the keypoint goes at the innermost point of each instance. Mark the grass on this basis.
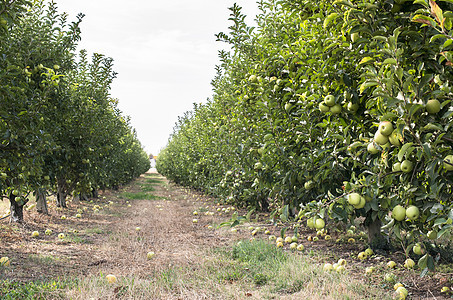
(147, 188)
(10, 290)
(139, 196)
(227, 273)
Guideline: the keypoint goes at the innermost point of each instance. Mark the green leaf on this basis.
(389, 61)
(403, 150)
(249, 214)
(367, 84)
(329, 19)
(366, 60)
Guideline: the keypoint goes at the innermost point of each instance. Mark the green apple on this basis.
(150, 255)
(110, 278)
(293, 246)
(258, 166)
(310, 223)
(300, 247)
(329, 100)
(369, 252)
(385, 128)
(342, 262)
(362, 256)
(319, 223)
(328, 267)
(35, 234)
(279, 245)
(353, 107)
(137, 228)
(406, 166)
(48, 231)
(380, 139)
(412, 212)
(432, 234)
(4, 261)
(272, 237)
(391, 264)
(354, 198)
(253, 78)
(336, 109)
(288, 107)
(418, 249)
(354, 37)
(340, 269)
(15, 192)
(327, 237)
(394, 138)
(445, 289)
(279, 240)
(254, 232)
(433, 106)
(315, 239)
(371, 148)
(409, 263)
(294, 238)
(361, 203)
(61, 236)
(369, 270)
(396, 167)
(288, 240)
(390, 277)
(399, 213)
(323, 107)
(448, 162)
(309, 185)
(195, 221)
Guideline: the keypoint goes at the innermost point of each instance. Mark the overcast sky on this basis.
(165, 54)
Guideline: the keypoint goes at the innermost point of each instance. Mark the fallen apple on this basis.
(4, 261)
(150, 255)
(300, 247)
(327, 267)
(35, 234)
(409, 263)
(111, 278)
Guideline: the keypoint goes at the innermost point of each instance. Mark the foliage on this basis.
(268, 138)
(60, 130)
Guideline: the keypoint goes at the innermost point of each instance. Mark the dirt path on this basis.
(107, 241)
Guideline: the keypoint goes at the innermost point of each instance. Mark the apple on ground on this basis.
(391, 264)
(4, 261)
(293, 246)
(369, 252)
(35, 234)
(409, 263)
(111, 278)
(300, 247)
(362, 256)
(150, 255)
(61, 236)
(328, 267)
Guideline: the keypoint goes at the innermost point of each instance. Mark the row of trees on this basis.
(330, 109)
(60, 130)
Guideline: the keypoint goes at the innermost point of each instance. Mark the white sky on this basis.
(165, 54)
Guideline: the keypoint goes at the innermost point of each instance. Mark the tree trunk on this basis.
(17, 209)
(41, 201)
(95, 193)
(61, 193)
(76, 199)
(375, 237)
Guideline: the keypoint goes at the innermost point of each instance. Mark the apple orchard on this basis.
(333, 112)
(60, 130)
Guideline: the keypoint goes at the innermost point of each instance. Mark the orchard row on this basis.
(60, 130)
(333, 110)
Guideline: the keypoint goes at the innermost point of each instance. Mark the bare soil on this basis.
(107, 241)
